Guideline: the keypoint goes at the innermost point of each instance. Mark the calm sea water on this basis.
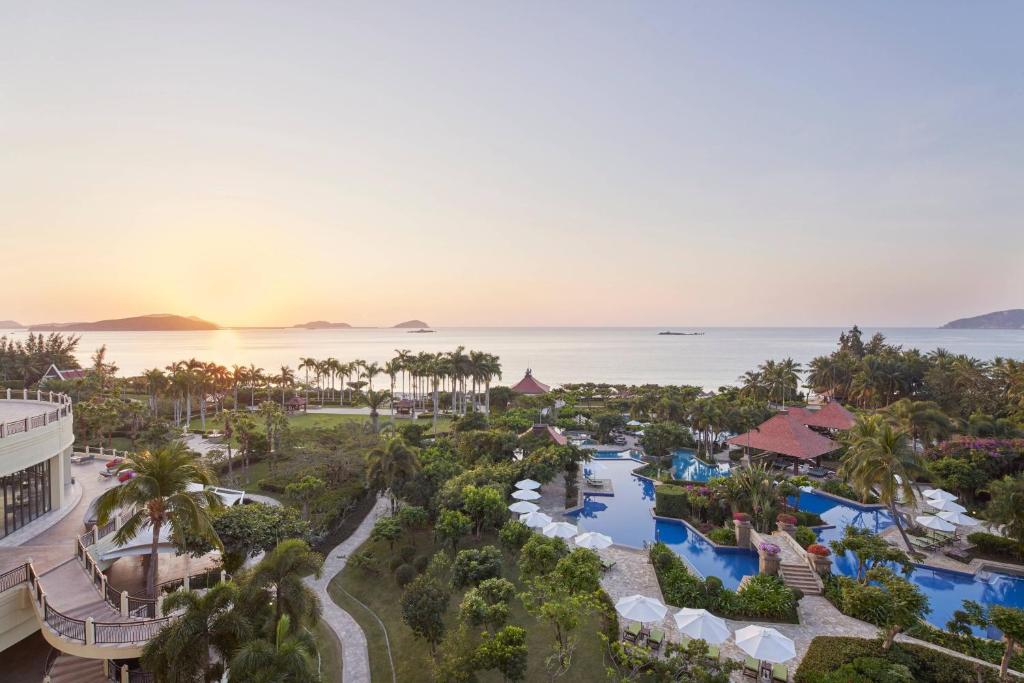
(630, 355)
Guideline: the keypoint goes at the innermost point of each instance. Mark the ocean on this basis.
(626, 355)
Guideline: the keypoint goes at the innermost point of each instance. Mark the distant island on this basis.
(157, 322)
(11, 325)
(322, 325)
(1012, 319)
(412, 323)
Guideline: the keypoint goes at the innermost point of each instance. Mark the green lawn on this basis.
(412, 656)
(329, 648)
(316, 419)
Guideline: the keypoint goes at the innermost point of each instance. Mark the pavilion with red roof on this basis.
(785, 434)
(530, 386)
(548, 432)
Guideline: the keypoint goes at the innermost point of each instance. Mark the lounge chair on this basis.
(606, 565)
(85, 457)
(656, 638)
(595, 483)
(780, 672)
(751, 667)
(632, 633)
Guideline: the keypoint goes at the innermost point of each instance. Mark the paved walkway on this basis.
(354, 653)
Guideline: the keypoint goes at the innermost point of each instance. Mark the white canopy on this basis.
(535, 520)
(762, 642)
(938, 494)
(528, 484)
(523, 494)
(634, 423)
(946, 505)
(958, 518)
(561, 530)
(702, 625)
(592, 540)
(522, 507)
(933, 522)
(641, 608)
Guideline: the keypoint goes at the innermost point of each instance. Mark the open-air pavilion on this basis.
(785, 435)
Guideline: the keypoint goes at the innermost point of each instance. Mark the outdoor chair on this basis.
(79, 459)
(606, 565)
(780, 673)
(632, 633)
(655, 639)
(751, 667)
(595, 483)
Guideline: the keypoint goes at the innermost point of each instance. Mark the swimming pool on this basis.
(626, 517)
(611, 454)
(687, 467)
(946, 590)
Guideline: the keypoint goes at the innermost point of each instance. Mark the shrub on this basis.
(407, 552)
(473, 565)
(804, 518)
(990, 544)
(828, 654)
(722, 536)
(365, 562)
(671, 501)
(839, 488)
(735, 455)
(421, 562)
(783, 518)
(819, 550)
(404, 575)
(514, 534)
(395, 562)
(805, 537)
(766, 597)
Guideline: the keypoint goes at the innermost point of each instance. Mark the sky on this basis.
(529, 163)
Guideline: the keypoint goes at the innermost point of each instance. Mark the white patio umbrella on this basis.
(523, 494)
(561, 530)
(634, 423)
(535, 520)
(702, 625)
(938, 494)
(764, 643)
(528, 484)
(933, 522)
(946, 505)
(592, 540)
(522, 507)
(958, 518)
(641, 608)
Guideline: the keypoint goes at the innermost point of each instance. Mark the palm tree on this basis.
(307, 364)
(159, 496)
(239, 375)
(879, 460)
(392, 368)
(285, 380)
(289, 659)
(370, 370)
(255, 377)
(403, 356)
(181, 651)
(374, 400)
(391, 464)
(281, 572)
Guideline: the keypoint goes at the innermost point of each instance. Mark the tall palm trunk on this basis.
(154, 561)
(899, 525)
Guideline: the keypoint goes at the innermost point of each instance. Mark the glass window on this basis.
(24, 496)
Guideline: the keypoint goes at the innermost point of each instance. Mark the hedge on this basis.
(825, 654)
(671, 501)
(990, 544)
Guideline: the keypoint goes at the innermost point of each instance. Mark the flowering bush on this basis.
(783, 518)
(740, 517)
(819, 550)
(769, 549)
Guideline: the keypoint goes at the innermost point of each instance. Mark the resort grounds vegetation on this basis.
(763, 597)
(992, 547)
(834, 659)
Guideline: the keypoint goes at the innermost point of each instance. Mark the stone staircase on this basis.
(801, 576)
(69, 669)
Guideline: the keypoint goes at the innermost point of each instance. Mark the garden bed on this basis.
(838, 659)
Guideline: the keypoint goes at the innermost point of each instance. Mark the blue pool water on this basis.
(686, 467)
(626, 517)
(610, 454)
(946, 590)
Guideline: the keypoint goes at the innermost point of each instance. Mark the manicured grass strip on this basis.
(382, 665)
(329, 648)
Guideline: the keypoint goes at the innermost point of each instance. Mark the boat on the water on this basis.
(422, 331)
(681, 334)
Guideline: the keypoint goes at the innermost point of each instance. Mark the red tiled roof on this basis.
(73, 374)
(831, 416)
(547, 431)
(529, 385)
(786, 435)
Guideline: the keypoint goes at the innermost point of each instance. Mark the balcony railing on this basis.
(43, 418)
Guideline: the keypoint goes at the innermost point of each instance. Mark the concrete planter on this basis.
(822, 565)
(769, 564)
(787, 528)
(742, 534)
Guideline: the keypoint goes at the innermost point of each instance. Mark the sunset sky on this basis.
(529, 163)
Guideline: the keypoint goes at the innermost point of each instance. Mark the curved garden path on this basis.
(354, 653)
